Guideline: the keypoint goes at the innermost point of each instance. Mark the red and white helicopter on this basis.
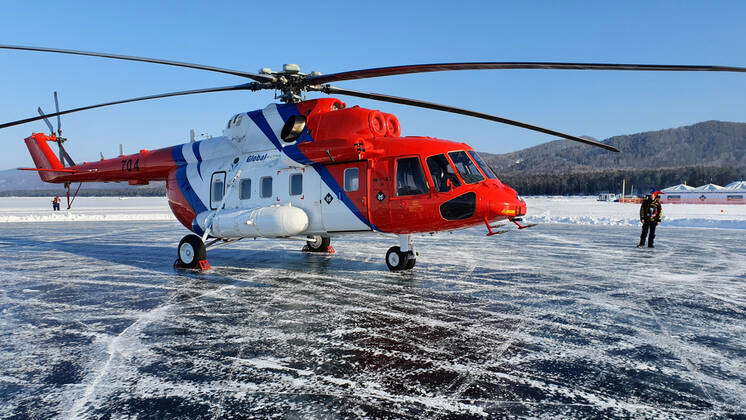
(310, 169)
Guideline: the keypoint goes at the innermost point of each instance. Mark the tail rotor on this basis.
(64, 156)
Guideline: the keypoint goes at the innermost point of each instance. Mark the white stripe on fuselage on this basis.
(247, 139)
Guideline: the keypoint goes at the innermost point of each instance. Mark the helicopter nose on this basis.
(505, 202)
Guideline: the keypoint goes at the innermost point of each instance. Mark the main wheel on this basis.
(399, 261)
(319, 243)
(191, 251)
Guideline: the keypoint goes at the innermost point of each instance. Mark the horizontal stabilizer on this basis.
(72, 171)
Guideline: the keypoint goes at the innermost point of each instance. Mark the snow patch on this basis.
(589, 211)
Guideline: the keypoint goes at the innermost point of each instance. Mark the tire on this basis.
(319, 243)
(191, 251)
(411, 262)
(399, 261)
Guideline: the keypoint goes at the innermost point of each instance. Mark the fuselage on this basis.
(348, 169)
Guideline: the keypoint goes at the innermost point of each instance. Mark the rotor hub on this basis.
(290, 82)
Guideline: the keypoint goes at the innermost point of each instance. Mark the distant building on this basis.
(733, 193)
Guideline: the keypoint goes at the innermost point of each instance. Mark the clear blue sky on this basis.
(336, 36)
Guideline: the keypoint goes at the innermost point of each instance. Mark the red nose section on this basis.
(503, 202)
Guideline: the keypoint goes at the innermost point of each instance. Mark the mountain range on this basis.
(710, 151)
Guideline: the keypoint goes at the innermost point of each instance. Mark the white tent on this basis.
(709, 187)
(737, 186)
(680, 187)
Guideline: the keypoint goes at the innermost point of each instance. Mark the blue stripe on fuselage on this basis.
(196, 228)
(183, 182)
(293, 152)
(195, 150)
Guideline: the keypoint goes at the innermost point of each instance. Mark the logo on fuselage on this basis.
(256, 158)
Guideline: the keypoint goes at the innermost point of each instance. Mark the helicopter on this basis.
(310, 169)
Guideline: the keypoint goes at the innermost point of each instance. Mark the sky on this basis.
(334, 36)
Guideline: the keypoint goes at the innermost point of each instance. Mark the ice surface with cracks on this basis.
(556, 320)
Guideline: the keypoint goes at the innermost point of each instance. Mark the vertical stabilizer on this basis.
(44, 158)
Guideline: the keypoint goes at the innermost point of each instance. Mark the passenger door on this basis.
(344, 204)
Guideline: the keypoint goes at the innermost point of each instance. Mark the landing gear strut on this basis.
(402, 257)
(319, 243)
(192, 253)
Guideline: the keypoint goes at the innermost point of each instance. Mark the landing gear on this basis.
(192, 253)
(319, 243)
(398, 260)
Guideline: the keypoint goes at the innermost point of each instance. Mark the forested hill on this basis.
(710, 151)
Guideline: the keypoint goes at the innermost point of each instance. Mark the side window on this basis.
(217, 189)
(266, 187)
(466, 167)
(352, 179)
(483, 165)
(296, 184)
(410, 180)
(245, 189)
(443, 174)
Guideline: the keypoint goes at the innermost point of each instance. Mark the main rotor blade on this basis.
(413, 102)
(245, 86)
(49, 124)
(425, 68)
(59, 122)
(257, 77)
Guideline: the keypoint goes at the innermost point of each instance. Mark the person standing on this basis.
(56, 203)
(650, 215)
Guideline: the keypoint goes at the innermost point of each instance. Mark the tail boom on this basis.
(137, 169)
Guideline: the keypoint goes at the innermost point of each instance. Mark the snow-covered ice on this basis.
(589, 211)
(560, 320)
(84, 209)
(564, 210)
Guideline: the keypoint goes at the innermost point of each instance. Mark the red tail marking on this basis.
(43, 156)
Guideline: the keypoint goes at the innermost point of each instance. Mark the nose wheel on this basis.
(192, 253)
(402, 257)
(397, 260)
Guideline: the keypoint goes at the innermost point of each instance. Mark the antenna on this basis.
(191, 135)
(102, 155)
(121, 149)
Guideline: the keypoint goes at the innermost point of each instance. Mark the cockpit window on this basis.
(410, 180)
(444, 176)
(466, 167)
(482, 164)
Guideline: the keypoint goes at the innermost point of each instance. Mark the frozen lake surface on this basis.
(557, 320)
